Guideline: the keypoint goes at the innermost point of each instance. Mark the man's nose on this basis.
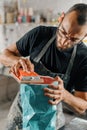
(64, 41)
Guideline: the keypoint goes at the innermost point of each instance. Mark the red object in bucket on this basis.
(23, 73)
(47, 79)
(33, 78)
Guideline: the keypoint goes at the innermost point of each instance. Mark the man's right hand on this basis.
(23, 63)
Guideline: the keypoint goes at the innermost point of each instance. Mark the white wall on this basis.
(58, 5)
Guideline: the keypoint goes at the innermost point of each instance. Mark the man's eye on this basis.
(73, 39)
(62, 33)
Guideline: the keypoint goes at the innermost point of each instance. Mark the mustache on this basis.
(63, 47)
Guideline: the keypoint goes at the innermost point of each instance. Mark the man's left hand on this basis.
(56, 93)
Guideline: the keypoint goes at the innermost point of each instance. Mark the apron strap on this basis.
(70, 65)
(68, 71)
(69, 68)
(42, 52)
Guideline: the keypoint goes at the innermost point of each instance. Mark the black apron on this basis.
(42, 70)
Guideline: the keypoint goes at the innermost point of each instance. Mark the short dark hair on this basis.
(81, 9)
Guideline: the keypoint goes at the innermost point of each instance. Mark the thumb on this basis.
(58, 79)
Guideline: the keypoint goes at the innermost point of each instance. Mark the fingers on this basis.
(14, 69)
(55, 92)
(30, 66)
(54, 102)
(51, 91)
(22, 63)
(53, 96)
(25, 64)
(56, 95)
(60, 81)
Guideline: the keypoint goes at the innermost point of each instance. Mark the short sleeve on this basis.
(28, 41)
(81, 80)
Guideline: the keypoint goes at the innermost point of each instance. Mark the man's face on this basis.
(70, 33)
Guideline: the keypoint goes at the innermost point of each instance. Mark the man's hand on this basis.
(77, 102)
(25, 64)
(57, 93)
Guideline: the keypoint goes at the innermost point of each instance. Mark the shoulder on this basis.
(43, 30)
(82, 51)
(81, 68)
(81, 57)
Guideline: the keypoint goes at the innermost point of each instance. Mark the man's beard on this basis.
(63, 47)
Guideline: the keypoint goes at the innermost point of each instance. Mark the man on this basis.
(69, 35)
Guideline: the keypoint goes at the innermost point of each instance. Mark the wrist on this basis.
(65, 96)
(15, 61)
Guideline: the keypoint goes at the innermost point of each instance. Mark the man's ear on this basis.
(60, 19)
(86, 35)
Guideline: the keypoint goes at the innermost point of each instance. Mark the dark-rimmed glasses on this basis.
(71, 40)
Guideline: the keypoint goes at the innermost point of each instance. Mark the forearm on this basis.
(8, 58)
(78, 104)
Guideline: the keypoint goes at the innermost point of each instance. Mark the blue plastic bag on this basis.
(38, 114)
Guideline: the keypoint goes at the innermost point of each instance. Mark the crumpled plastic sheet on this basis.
(38, 114)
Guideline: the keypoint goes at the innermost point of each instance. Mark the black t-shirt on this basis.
(54, 59)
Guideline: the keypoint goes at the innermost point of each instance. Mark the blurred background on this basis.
(16, 18)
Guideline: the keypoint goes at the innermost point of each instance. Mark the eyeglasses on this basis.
(70, 40)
